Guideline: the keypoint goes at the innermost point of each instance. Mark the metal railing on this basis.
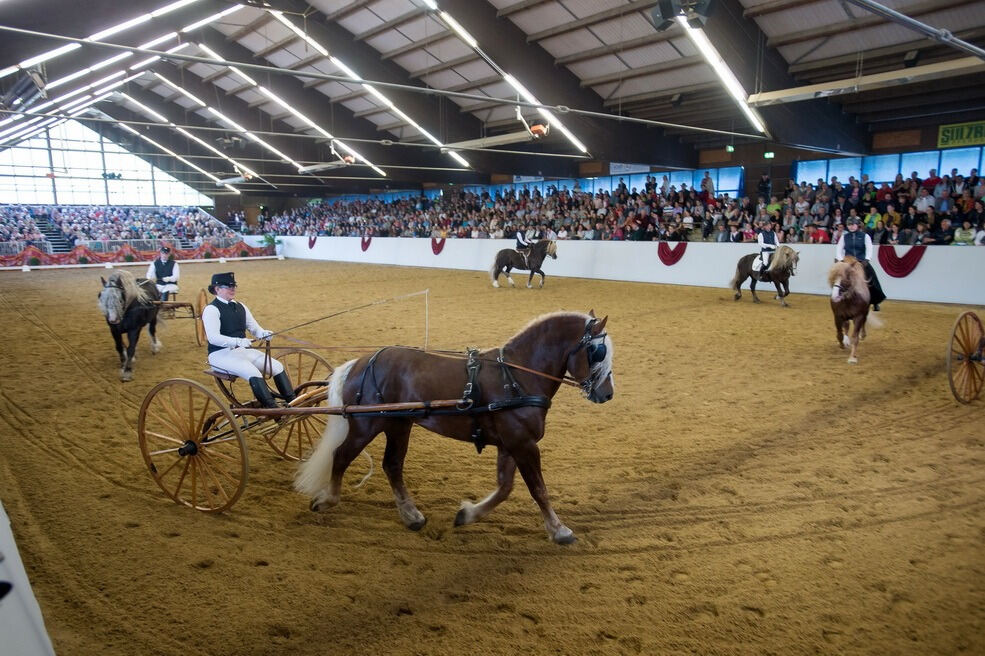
(113, 245)
(15, 247)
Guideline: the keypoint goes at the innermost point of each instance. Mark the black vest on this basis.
(769, 237)
(232, 321)
(855, 244)
(163, 269)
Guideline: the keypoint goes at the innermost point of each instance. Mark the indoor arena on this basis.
(433, 327)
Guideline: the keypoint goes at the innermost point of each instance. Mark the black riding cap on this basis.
(165, 249)
(222, 280)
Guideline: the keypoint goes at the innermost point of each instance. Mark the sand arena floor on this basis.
(746, 491)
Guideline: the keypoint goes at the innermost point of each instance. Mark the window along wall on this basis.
(883, 168)
(65, 166)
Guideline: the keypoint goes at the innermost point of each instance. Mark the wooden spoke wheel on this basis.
(294, 437)
(192, 445)
(965, 365)
(200, 303)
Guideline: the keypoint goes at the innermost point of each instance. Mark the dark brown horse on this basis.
(509, 259)
(128, 304)
(782, 266)
(505, 407)
(850, 303)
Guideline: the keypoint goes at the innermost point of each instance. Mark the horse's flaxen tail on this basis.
(735, 278)
(315, 474)
(494, 271)
(874, 320)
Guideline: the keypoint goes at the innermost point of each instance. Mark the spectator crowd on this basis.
(937, 210)
(97, 223)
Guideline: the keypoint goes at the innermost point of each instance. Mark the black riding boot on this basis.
(284, 386)
(262, 392)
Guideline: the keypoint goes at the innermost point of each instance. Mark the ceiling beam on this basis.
(629, 74)
(274, 47)
(855, 24)
(773, 6)
(476, 84)
(439, 66)
(647, 96)
(613, 48)
(518, 7)
(570, 26)
(307, 61)
(429, 40)
(250, 27)
(393, 23)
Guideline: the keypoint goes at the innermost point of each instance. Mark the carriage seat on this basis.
(221, 375)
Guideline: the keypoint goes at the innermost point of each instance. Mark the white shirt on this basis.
(840, 248)
(152, 272)
(210, 318)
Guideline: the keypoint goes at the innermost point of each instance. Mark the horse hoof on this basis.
(126, 376)
(496, 283)
(314, 506)
(737, 297)
(418, 524)
(565, 536)
(529, 286)
(755, 300)
(852, 360)
(461, 517)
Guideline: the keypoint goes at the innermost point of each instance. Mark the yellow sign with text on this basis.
(961, 134)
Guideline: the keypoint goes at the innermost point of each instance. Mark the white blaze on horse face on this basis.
(836, 291)
(111, 304)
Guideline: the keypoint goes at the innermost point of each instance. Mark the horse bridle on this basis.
(595, 350)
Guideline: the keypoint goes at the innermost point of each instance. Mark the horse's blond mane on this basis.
(131, 290)
(552, 248)
(782, 259)
(851, 270)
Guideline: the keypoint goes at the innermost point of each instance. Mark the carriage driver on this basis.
(226, 322)
(164, 271)
(767, 247)
(858, 243)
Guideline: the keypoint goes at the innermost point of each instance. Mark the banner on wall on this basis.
(619, 168)
(961, 134)
(32, 256)
(528, 178)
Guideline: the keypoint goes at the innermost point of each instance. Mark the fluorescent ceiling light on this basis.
(51, 54)
(530, 98)
(453, 24)
(110, 31)
(213, 17)
(112, 60)
(171, 7)
(431, 4)
(724, 73)
(176, 156)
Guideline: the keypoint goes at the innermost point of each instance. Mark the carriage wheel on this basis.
(965, 366)
(294, 437)
(192, 445)
(200, 304)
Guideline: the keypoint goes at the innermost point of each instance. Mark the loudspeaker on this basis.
(664, 13)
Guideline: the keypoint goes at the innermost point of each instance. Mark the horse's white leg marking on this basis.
(155, 345)
(495, 283)
(510, 278)
(409, 514)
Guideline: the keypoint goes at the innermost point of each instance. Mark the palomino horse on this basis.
(782, 266)
(850, 302)
(128, 305)
(505, 403)
(508, 259)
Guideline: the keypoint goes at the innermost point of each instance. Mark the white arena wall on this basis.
(946, 274)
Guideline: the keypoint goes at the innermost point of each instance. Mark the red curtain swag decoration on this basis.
(437, 245)
(365, 243)
(311, 241)
(671, 256)
(126, 253)
(900, 267)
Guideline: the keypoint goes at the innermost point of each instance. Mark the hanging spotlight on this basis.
(696, 12)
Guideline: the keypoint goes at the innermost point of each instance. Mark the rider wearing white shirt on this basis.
(226, 322)
(858, 244)
(768, 243)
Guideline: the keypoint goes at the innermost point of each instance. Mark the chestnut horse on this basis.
(783, 264)
(509, 259)
(128, 305)
(506, 393)
(850, 303)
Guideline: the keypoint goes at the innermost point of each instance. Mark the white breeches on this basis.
(243, 362)
(766, 255)
(167, 288)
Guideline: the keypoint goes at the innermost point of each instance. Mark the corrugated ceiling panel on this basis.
(476, 70)
(884, 35)
(301, 49)
(685, 47)
(448, 49)
(499, 4)
(359, 21)
(390, 9)
(807, 17)
(624, 28)
(421, 27)
(254, 42)
(250, 95)
(228, 82)
(570, 43)
(203, 70)
(443, 79)
(499, 90)
(461, 102)
(418, 60)
(294, 121)
(583, 8)
(237, 19)
(359, 104)
(501, 113)
(667, 80)
(541, 17)
(333, 89)
(388, 41)
(281, 59)
(384, 118)
(598, 66)
(647, 55)
(605, 90)
(328, 6)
